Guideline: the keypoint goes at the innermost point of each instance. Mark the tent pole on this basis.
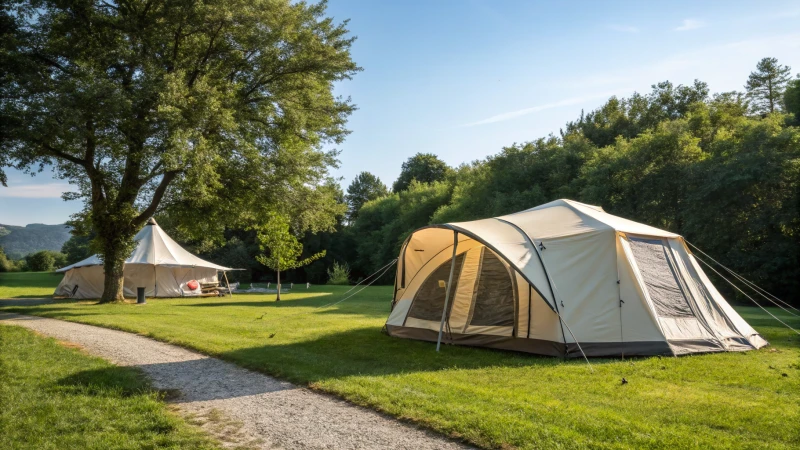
(230, 292)
(447, 289)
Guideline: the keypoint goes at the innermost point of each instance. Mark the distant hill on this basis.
(20, 241)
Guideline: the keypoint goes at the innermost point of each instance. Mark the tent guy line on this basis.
(384, 268)
(751, 298)
(748, 283)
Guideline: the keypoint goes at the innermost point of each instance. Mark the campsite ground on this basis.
(53, 396)
(490, 398)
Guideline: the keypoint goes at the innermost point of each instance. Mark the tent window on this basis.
(493, 298)
(429, 301)
(661, 278)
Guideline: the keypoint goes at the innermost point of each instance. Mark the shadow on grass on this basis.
(23, 297)
(369, 352)
(108, 381)
(365, 306)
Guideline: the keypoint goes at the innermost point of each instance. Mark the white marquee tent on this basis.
(158, 264)
(543, 279)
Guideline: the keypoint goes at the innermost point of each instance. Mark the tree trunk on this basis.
(279, 286)
(112, 286)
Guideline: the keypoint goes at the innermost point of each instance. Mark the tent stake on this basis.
(447, 289)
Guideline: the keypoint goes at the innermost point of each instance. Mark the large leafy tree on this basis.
(364, 187)
(423, 167)
(765, 86)
(215, 110)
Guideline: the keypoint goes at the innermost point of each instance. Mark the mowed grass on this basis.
(489, 398)
(21, 285)
(53, 397)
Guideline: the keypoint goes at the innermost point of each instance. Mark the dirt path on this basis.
(269, 413)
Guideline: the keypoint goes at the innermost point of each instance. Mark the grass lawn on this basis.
(21, 285)
(490, 398)
(53, 397)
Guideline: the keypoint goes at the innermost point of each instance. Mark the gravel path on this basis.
(269, 413)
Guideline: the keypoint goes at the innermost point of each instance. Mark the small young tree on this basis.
(339, 274)
(284, 249)
(765, 86)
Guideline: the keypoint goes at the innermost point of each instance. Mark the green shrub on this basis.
(339, 274)
(42, 261)
(6, 265)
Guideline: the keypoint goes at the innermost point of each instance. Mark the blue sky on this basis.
(462, 78)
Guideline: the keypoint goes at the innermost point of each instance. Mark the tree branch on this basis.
(63, 155)
(52, 63)
(200, 64)
(153, 172)
(157, 196)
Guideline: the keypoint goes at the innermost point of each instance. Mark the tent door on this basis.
(484, 296)
(493, 303)
(668, 292)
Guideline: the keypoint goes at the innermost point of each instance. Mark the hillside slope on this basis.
(20, 241)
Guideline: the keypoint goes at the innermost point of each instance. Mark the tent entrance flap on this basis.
(494, 295)
(428, 302)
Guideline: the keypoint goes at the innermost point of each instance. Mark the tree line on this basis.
(723, 170)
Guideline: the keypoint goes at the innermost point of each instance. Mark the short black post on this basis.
(140, 296)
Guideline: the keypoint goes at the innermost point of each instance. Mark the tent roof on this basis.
(561, 218)
(154, 247)
(515, 236)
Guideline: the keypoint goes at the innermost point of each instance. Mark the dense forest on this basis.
(721, 169)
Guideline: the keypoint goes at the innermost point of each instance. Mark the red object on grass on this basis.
(193, 284)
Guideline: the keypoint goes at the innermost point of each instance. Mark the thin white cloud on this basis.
(624, 28)
(690, 24)
(730, 58)
(533, 109)
(45, 190)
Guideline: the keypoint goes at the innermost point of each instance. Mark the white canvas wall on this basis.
(158, 281)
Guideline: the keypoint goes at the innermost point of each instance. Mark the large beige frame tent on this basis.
(158, 264)
(543, 279)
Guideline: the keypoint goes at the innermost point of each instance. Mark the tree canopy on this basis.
(365, 187)
(791, 98)
(765, 86)
(215, 110)
(423, 167)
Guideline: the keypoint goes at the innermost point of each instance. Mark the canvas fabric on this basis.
(157, 263)
(562, 274)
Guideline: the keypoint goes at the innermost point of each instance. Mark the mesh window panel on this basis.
(660, 277)
(429, 301)
(493, 303)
